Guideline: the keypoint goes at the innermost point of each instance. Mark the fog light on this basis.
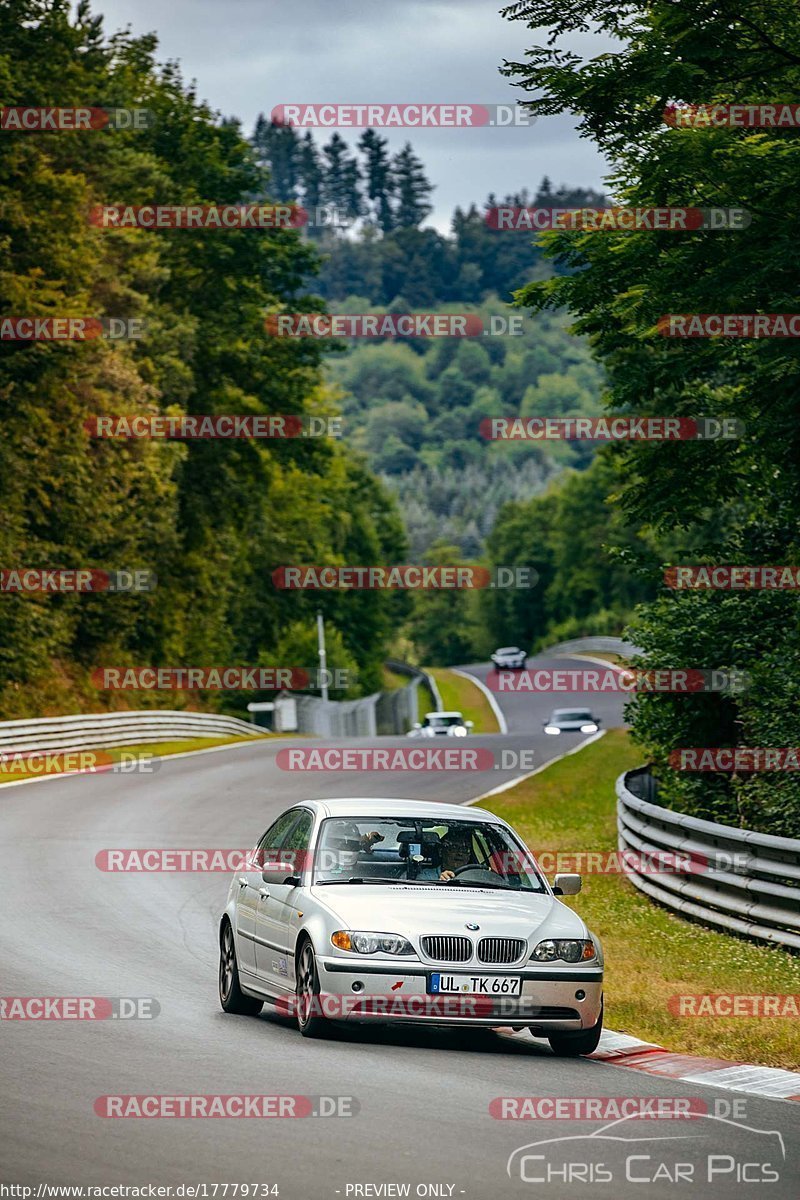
(580, 994)
(357, 986)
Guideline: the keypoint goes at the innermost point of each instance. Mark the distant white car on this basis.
(407, 911)
(510, 658)
(571, 720)
(441, 724)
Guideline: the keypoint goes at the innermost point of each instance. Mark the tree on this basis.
(341, 178)
(732, 502)
(378, 176)
(413, 189)
(277, 147)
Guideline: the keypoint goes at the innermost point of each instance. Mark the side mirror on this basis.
(280, 872)
(416, 725)
(469, 724)
(566, 885)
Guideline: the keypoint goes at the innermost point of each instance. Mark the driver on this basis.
(456, 850)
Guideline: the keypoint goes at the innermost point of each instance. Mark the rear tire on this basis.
(572, 1045)
(309, 1016)
(231, 996)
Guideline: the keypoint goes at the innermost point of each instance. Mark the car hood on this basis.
(417, 909)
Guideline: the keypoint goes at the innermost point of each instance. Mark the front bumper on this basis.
(398, 992)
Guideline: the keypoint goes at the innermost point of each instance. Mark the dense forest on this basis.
(211, 519)
(412, 478)
(730, 502)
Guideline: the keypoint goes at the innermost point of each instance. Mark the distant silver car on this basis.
(406, 911)
(510, 658)
(571, 720)
(441, 724)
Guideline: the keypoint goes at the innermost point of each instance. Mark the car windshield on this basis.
(444, 722)
(574, 714)
(414, 850)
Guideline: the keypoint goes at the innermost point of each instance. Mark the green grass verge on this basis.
(116, 753)
(464, 696)
(651, 954)
(391, 681)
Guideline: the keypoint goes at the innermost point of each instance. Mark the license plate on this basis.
(475, 985)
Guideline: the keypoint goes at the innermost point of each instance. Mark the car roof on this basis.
(445, 712)
(361, 806)
(559, 712)
(506, 649)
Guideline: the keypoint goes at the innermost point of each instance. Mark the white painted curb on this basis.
(495, 707)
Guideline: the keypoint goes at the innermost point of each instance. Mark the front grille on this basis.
(447, 949)
(500, 949)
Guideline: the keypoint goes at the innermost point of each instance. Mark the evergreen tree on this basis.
(341, 178)
(379, 180)
(413, 189)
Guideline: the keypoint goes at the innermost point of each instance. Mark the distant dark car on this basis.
(509, 658)
(571, 720)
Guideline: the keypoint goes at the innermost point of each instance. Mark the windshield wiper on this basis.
(368, 879)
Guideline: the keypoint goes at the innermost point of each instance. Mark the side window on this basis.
(295, 847)
(274, 836)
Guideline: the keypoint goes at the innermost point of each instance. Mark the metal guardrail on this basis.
(735, 879)
(609, 645)
(92, 730)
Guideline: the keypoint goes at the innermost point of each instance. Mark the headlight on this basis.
(552, 729)
(588, 729)
(460, 731)
(371, 943)
(569, 950)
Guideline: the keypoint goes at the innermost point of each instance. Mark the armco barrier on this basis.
(751, 886)
(587, 645)
(88, 730)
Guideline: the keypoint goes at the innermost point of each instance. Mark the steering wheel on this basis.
(480, 869)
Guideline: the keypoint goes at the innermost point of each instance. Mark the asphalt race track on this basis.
(70, 929)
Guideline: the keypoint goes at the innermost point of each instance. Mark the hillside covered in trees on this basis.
(212, 519)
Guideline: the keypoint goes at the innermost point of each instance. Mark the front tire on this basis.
(309, 1014)
(231, 996)
(572, 1045)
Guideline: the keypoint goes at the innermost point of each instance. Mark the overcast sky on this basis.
(249, 55)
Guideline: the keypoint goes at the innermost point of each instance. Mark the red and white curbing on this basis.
(621, 1050)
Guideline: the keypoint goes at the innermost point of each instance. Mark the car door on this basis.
(276, 914)
(249, 883)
